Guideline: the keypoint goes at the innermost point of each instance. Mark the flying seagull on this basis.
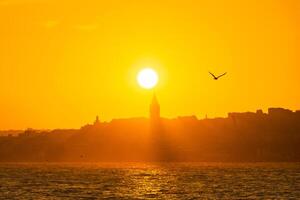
(217, 77)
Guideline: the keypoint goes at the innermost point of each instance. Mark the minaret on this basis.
(154, 109)
(97, 121)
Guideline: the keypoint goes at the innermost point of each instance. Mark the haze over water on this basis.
(150, 181)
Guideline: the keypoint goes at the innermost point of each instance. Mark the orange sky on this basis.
(61, 64)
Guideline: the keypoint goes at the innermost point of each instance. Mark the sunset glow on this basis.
(64, 62)
(133, 99)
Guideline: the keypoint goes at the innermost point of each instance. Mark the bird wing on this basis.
(212, 74)
(221, 75)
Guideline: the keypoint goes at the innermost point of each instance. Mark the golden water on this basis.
(150, 181)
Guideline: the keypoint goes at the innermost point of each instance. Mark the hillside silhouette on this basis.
(272, 136)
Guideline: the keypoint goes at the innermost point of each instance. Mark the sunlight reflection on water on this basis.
(150, 181)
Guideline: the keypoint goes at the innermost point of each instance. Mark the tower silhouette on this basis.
(154, 110)
(97, 121)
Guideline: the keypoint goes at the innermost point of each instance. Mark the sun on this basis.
(147, 78)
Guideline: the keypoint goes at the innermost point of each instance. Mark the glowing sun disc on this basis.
(147, 78)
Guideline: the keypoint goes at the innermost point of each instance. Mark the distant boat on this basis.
(217, 77)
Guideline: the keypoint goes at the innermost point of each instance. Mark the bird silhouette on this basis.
(217, 77)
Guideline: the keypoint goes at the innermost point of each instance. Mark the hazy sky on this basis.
(61, 64)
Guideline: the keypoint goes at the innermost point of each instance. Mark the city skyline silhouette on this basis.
(160, 99)
(240, 137)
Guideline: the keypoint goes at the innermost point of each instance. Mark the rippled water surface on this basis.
(150, 181)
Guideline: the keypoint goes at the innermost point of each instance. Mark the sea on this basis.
(150, 181)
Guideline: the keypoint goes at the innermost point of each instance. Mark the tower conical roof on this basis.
(154, 100)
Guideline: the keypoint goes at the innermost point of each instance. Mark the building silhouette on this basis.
(244, 137)
(97, 121)
(154, 110)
